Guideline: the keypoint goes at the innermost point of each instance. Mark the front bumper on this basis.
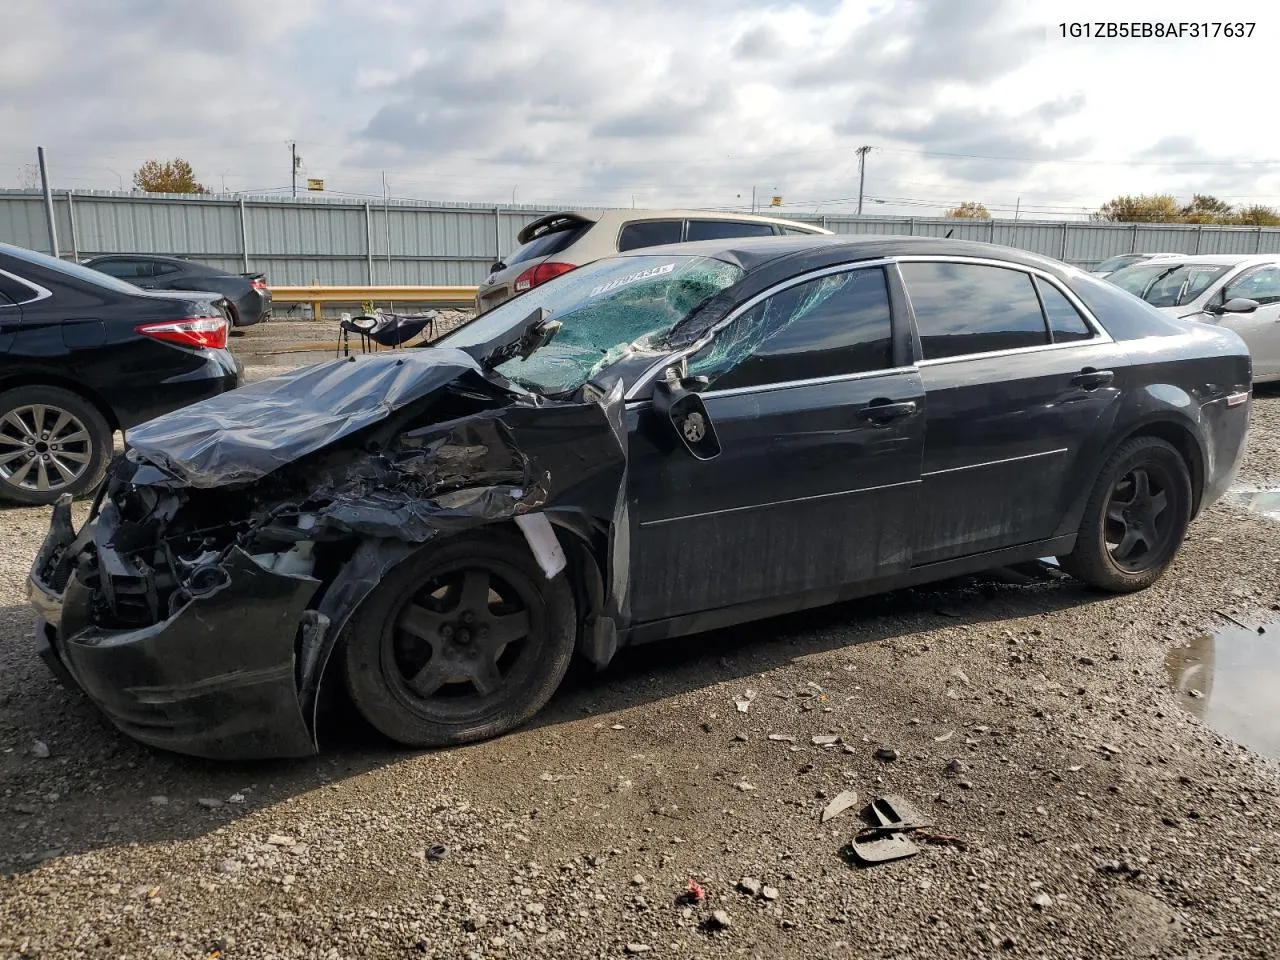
(217, 679)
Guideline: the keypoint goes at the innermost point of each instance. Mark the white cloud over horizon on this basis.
(658, 103)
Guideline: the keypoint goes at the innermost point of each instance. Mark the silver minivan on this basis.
(559, 242)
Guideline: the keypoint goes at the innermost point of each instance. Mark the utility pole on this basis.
(753, 198)
(293, 167)
(1017, 207)
(862, 173)
(48, 202)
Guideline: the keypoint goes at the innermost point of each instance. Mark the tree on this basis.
(1206, 209)
(1155, 208)
(171, 176)
(1257, 216)
(969, 210)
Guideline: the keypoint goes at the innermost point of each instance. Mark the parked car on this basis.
(83, 355)
(1241, 293)
(662, 442)
(559, 242)
(247, 294)
(1112, 264)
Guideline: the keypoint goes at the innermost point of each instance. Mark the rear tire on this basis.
(1135, 520)
(463, 641)
(52, 441)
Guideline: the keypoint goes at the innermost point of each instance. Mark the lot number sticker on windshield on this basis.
(632, 278)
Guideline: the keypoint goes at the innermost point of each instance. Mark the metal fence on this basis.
(339, 242)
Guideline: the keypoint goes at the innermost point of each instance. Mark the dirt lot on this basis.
(1035, 722)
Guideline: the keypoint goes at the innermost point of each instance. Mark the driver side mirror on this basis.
(1239, 305)
(677, 404)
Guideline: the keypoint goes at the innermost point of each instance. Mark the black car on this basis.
(247, 294)
(83, 355)
(651, 445)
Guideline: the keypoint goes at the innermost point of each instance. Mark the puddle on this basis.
(1265, 502)
(1229, 680)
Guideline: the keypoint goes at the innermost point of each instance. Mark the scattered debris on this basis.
(750, 886)
(634, 948)
(548, 777)
(961, 676)
(1227, 616)
(229, 866)
(744, 704)
(438, 852)
(769, 893)
(1042, 901)
(638, 880)
(209, 803)
(943, 738)
(826, 740)
(160, 800)
(280, 840)
(887, 754)
(744, 786)
(841, 802)
(782, 738)
(940, 839)
(40, 750)
(956, 766)
(693, 893)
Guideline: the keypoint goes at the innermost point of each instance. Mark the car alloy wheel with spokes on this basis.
(1135, 518)
(1138, 518)
(464, 640)
(459, 637)
(43, 448)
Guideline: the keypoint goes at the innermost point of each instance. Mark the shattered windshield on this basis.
(604, 308)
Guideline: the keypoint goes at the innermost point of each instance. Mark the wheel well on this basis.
(42, 379)
(1183, 441)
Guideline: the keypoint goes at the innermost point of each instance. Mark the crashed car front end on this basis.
(199, 604)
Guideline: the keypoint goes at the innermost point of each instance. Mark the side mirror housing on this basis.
(1239, 305)
(682, 412)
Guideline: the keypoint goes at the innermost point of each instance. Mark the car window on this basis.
(648, 233)
(64, 269)
(1115, 263)
(965, 308)
(162, 269)
(727, 229)
(1181, 285)
(1065, 323)
(126, 269)
(15, 292)
(546, 245)
(1260, 283)
(828, 326)
(797, 232)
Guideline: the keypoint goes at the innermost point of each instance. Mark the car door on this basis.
(819, 417)
(1017, 383)
(1261, 328)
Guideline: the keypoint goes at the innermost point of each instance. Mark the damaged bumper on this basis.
(216, 679)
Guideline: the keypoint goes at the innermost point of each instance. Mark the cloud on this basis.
(579, 101)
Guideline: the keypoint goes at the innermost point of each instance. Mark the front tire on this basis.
(460, 642)
(52, 442)
(1135, 520)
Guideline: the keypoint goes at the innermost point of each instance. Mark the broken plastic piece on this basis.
(879, 845)
(542, 540)
(841, 802)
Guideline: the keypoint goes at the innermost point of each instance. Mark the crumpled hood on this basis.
(243, 435)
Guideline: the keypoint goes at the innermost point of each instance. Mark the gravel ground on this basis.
(1035, 722)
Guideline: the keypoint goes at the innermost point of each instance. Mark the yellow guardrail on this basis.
(316, 296)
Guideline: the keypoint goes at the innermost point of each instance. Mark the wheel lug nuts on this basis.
(447, 631)
(484, 633)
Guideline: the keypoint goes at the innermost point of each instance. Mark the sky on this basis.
(651, 104)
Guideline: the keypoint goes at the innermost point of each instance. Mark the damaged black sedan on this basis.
(645, 447)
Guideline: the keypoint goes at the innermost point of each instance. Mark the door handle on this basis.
(882, 411)
(1091, 379)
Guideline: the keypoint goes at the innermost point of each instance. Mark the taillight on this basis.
(201, 332)
(540, 274)
(260, 285)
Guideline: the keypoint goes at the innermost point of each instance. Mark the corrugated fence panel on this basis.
(319, 240)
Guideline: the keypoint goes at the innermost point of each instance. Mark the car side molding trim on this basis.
(777, 503)
(996, 463)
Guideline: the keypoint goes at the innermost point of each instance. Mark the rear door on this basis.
(1017, 383)
(1260, 329)
(819, 417)
(727, 229)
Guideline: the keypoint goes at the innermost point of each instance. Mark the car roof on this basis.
(810, 252)
(630, 215)
(181, 261)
